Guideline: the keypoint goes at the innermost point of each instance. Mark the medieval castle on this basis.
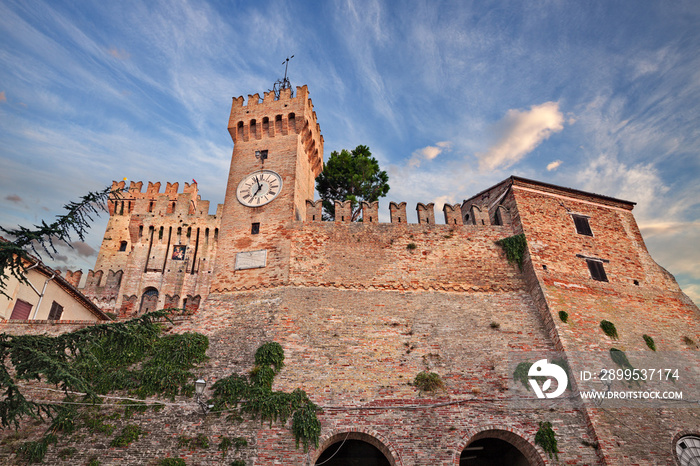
(361, 308)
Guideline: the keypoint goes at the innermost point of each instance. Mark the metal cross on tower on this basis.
(284, 82)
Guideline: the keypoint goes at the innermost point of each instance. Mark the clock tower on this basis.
(277, 154)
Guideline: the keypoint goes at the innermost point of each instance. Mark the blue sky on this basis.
(451, 97)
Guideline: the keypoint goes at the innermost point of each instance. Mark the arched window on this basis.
(149, 300)
(355, 448)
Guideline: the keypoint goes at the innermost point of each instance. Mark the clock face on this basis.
(259, 188)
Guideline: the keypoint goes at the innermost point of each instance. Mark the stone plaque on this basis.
(251, 259)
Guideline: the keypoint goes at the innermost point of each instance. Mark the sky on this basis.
(451, 98)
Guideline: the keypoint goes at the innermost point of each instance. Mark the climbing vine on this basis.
(650, 342)
(253, 396)
(609, 329)
(547, 439)
(514, 247)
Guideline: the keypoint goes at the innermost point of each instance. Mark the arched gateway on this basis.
(501, 447)
(354, 449)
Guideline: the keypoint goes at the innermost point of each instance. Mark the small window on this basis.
(255, 228)
(122, 246)
(56, 311)
(582, 226)
(597, 270)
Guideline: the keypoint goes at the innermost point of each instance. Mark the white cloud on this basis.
(428, 153)
(519, 132)
(554, 165)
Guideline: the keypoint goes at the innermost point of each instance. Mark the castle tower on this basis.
(277, 154)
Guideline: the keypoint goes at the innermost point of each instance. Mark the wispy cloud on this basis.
(428, 153)
(2, 97)
(519, 133)
(554, 165)
(13, 198)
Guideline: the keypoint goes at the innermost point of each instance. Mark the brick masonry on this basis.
(361, 308)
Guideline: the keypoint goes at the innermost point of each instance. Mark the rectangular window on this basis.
(582, 226)
(597, 270)
(21, 310)
(56, 311)
(255, 229)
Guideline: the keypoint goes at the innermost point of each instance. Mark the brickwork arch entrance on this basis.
(354, 449)
(500, 447)
(149, 300)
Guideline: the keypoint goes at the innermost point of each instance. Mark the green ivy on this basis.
(514, 247)
(34, 452)
(238, 463)
(200, 441)
(254, 397)
(563, 316)
(428, 381)
(129, 433)
(650, 342)
(520, 373)
(609, 329)
(547, 439)
(227, 442)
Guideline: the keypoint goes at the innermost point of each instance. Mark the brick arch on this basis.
(513, 436)
(679, 435)
(366, 435)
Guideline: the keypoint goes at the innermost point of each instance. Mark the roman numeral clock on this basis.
(259, 188)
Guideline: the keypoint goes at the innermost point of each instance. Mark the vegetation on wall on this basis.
(649, 341)
(564, 316)
(609, 329)
(547, 439)
(515, 247)
(253, 396)
(428, 382)
(130, 433)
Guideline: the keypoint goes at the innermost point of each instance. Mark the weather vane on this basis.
(284, 82)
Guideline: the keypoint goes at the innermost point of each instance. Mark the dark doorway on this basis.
(492, 452)
(149, 300)
(352, 453)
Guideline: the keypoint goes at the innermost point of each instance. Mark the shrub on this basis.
(650, 342)
(428, 381)
(563, 316)
(609, 329)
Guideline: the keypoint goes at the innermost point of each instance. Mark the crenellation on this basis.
(153, 188)
(426, 213)
(135, 187)
(397, 212)
(93, 279)
(343, 211)
(314, 210)
(73, 277)
(370, 211)
(171, 188)
(453, 214)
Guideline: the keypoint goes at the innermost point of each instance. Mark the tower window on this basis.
(255, 228)
(597, 270)
(122, 246)
(582, 225)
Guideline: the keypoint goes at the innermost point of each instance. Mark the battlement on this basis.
(135, 201)
(453, 214)
(270, 117)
